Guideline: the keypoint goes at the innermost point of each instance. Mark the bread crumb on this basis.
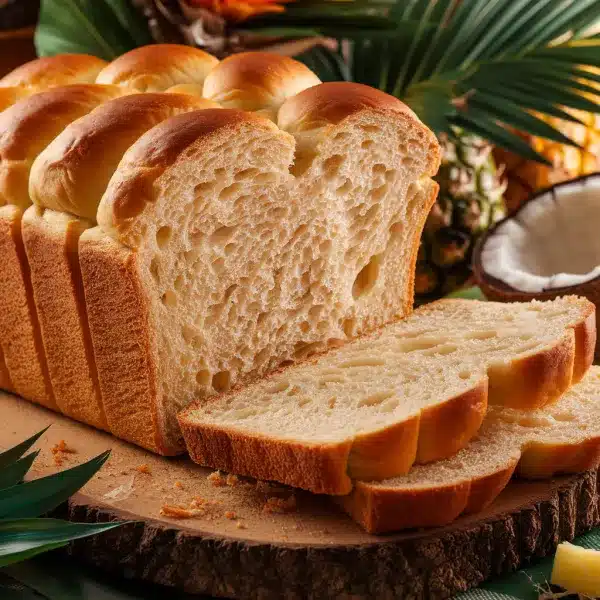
(143, 469)
(240, 525)
(275, 505)
(59, 450)
(230, 515)
(216, 479)
(232, 480)
(178, 485)
(178, 512)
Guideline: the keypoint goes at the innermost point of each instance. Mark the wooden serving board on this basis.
(238, 550)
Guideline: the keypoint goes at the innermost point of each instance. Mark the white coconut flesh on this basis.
(552, 242)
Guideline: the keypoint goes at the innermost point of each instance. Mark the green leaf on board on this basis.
(42, 495)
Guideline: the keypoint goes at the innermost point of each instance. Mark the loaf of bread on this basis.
(558, 439)
(227, 242)
(415, 391)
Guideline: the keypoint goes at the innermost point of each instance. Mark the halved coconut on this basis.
(549, 247)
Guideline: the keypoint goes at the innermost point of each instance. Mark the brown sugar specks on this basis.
(275, 505)
(216, 479)
(145, 469)
(60, 452)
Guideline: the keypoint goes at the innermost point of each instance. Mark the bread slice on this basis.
(415, 391)
(558, 439)
(25, 129)
(66, 186)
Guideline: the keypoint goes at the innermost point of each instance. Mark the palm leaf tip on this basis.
(24, 535)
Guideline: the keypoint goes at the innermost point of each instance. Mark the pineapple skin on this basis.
(469, 201)
(524, 177)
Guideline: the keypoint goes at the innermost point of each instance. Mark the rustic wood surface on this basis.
(237, 549)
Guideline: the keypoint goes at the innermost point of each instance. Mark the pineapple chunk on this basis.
(577, 570)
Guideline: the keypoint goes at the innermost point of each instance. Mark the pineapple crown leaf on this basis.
(486, 66)
(24, 535)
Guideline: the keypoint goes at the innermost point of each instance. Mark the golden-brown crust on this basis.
(320, 468)
(416, 243)
(585, 344)
(328, 104)
(51, 244)
(10, 95)
(379, 510)
(458, 418)
(257, 81)
(542, 461)
(72, 173)
(50, 71)
(28, 126)
(19, 329)
(389, 452)
(122, 339)
(157, 150)
(536, 380)
(156, 67)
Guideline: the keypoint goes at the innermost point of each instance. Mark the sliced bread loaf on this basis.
(415, 391)
(558, 439)
(228, 243)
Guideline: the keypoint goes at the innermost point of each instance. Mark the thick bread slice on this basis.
(19, 329)
(425, 374)
(242, 265)
(25, 129)
(71, 175)
(558, 439)
(51, 240)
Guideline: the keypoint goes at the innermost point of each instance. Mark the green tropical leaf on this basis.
(499, 60)
(22, 539)
(104, 28)
(42, 495)
(11, 455)
(14, 473)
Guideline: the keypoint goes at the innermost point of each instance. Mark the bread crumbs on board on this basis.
(275, 505)
(178, 485)
(216, 479)
(145, 469)
(60, 452)
(230, 515)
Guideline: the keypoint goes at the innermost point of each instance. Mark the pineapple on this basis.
(469, 201)
(524, 177)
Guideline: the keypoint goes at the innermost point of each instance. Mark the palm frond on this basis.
(506, 63)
